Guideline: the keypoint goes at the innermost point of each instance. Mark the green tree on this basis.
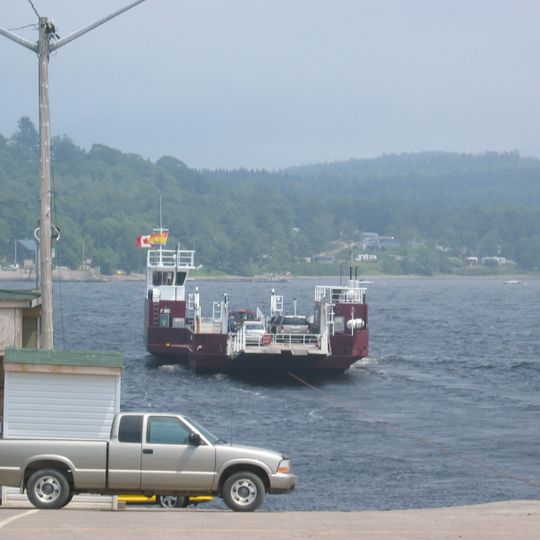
(26, 137)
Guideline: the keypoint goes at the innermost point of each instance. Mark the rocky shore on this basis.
(67, 274)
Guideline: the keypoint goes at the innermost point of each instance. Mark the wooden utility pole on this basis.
(45, 223)
(43, 48)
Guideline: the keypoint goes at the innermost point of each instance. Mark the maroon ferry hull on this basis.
(207, 352)
(282, 362)
(331, 340)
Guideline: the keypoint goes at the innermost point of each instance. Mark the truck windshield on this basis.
(210, 436)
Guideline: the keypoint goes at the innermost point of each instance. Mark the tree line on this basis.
(440, 206)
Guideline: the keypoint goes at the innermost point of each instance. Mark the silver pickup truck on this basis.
(149, 453)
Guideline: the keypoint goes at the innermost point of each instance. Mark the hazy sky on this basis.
(272, 83)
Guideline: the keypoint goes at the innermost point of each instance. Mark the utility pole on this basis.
(45, 224)
(43, 48)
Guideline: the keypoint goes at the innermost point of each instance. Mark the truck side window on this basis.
(130, 430)
(166, 430)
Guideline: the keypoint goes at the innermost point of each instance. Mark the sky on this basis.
(276, 83)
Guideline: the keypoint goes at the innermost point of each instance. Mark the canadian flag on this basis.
(144, 241)
(151, 240)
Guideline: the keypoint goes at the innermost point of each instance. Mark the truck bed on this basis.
(86, 459)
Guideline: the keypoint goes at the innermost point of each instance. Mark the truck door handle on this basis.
(147, 451)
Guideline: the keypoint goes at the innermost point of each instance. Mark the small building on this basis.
(20, 312)
(60, 394)
(24, 253)
(493, 261)
(378, 241)
(51, 394)
(366, 257)
(324, 259)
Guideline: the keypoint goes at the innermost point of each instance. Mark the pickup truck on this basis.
(148, 453)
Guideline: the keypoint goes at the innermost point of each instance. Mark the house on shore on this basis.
(20, 315)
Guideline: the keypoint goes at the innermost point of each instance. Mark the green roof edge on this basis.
(63, 358)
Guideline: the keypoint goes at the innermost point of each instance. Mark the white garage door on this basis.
(53, 405)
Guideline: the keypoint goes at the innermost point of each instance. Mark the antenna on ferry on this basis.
(160, 223)
(43, 47)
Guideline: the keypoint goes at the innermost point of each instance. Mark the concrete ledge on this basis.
(12, 498)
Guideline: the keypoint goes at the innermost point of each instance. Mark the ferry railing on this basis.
(170, 258)
(191, 302)
(209, 326)
(236, 343)
(340, 295)
(216, 312)
(276, 304)
(297, 339)
(189, 323)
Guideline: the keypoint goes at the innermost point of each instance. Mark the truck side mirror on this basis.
(194, 439)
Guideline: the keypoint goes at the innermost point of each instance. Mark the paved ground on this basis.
(516, 520)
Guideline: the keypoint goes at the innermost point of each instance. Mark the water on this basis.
(455, 363)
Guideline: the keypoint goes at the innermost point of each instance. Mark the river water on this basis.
(444, 409)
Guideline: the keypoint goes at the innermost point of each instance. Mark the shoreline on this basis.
(77, 276)
(66, 275)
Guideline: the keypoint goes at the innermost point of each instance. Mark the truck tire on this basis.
(243, 491)
(48, 488)
(172, 501)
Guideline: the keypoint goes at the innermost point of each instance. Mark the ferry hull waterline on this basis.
(335, 336)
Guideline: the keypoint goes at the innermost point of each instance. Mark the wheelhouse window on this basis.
(166, 430)
(162, 278)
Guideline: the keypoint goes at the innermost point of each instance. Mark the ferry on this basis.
(176, 330)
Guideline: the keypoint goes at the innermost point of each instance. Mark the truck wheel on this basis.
(48, 488)
(172, 501)
(243, 492)
(68, 500)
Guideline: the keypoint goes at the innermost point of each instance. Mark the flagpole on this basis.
(160, 223)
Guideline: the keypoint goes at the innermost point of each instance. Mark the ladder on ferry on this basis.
(155, 313)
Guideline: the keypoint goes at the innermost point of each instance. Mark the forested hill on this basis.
(440, 207)
(435, 177)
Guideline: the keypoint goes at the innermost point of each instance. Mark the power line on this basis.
(34, 8)
(34, 26)
(58, 252)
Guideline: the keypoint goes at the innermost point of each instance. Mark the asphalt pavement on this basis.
(516, 520)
